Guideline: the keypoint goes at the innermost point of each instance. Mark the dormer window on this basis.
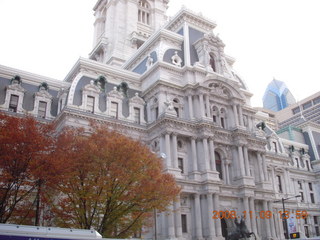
(144, 12)
(212, 62)
(90, 104)
(42, 109)
(114, 109)
(137, 115)
(13, 104)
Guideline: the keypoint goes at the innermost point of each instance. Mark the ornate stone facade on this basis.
(183, 98)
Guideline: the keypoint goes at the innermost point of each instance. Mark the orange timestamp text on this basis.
(298, 214)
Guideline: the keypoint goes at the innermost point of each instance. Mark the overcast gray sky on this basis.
(268, 38)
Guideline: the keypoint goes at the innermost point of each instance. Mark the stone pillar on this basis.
(206, 154)
(177, 208)
(273, 230)
(207, 105)
(198, 221)
(186, 45)
(168, 150)
(201, 105)
(216, 207)
(194, 155)
(170, 221)
(266, 221)
(212, 156)
(227, 178)
(190, 103)
(260, 167)
(241, 162)
(264, 167)
(241, 116)
(247, 209)
(246, 161)
(211, 227)
(174, 151)
(253, 211)
(235, 112)
(274, 186)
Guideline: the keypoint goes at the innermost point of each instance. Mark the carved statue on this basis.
(240, 231)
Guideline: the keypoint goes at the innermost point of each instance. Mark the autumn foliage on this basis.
(102, 180)
(112, 183)
(25, 150)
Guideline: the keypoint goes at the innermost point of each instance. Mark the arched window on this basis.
(218, 164)
(223, 117)
(212, 62)
(144, 12)
(215, 114)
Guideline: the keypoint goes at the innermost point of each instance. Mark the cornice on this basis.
(31, 78)
(161, 35)
(87, 65)
(194, 19)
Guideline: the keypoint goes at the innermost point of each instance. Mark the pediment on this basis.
(16, 87)
(115, 94)
(137, 99)
(91, 87)
(44, 94)
(222, 88)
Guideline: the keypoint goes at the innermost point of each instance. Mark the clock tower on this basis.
(122, 26)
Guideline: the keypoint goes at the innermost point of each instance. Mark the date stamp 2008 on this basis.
(298, 214)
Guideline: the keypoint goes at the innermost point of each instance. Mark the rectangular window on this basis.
(114, 109)
(222, 123)
(275, 147)
(177, 111)
(316, 100)
(300, 184)
(312, 198)
(180, 164)
(310, 186)
(297, 162)
(317, 231)
(13, 104)
(308, 166)
(136, 115)
(90, 104)
(306, 231)
(279, 184)
(184, 223)
(42, 109)
(296, 110)
(315, 219)
(61, 104)
(307, 105)
(156, 110)
(302, 198)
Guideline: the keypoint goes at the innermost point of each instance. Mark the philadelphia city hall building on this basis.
(171, 84)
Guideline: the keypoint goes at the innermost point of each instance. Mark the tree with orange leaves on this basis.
(25, 149)
(112, 183)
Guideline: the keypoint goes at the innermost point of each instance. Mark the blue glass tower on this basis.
(277, 96)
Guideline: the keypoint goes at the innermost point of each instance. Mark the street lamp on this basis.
(284, 220)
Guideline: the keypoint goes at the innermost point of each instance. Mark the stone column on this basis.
(246, 161)
(241, 116)
(235, 112)
(253, 210)
(190, 103)
(264, 167)
(168, 150)
(241, 162)
(170, 221)
(260, 167)
(274, 186)
(206, 154)
(247, 209)
(227, 178)
(216, 207)
(177, 208)
(211, 227)
(186, 45)
(174, 151)
(201, 105)
(198, 221)
(266, 221)
(194, 155)
(207, 105)
(212, 156)
(273, 230)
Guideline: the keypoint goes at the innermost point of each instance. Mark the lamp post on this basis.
(284, 220)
